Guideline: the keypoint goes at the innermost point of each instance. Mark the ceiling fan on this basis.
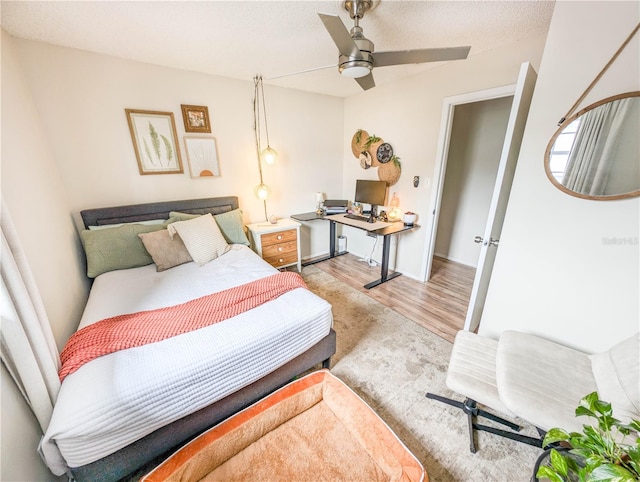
(357, 58)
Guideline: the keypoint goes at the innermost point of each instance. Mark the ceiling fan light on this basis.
(355, 70)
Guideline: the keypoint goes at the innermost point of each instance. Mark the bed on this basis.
(121, 410)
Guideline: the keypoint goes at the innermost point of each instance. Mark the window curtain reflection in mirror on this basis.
(595, 148)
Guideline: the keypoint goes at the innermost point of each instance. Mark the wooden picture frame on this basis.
(196, 118)
(202, 155)
(155, 141)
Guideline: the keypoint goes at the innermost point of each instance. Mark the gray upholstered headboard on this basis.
(158, 210)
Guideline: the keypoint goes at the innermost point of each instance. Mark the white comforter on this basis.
(116, 399)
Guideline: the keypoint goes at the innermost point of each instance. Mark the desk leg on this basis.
(332, 246)
(384, 268)
(332, 239)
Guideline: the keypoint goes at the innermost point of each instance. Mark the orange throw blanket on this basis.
(137, 329)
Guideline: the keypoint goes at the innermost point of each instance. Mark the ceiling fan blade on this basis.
(340, 35)
(382, 59)
(366, 82)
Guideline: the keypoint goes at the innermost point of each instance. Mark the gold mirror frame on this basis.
(565, 125)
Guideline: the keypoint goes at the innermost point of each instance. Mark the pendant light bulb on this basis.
(269, 155)
(262, 191)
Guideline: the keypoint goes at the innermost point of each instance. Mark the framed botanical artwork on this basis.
(196, 118)
(202, 154)
(155, 141)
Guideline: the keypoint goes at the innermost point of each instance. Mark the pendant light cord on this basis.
(264, 112)
(256, 120)
(257, 81)
(604, 69)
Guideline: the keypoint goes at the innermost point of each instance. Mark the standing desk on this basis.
(385, 231)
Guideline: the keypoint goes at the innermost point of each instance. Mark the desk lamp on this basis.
(319, 200)
(394, 213)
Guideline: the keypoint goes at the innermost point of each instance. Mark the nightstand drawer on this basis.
(277, 243)
(279, 237)
(282, 260)
(280, 249)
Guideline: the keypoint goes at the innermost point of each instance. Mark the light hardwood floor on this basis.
(440, 305)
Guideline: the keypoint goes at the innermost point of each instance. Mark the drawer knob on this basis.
(280, 248)
(279, 236)
(280, 260)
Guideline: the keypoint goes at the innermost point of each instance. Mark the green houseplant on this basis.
(599, 453)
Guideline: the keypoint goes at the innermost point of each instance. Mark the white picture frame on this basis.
(202, 155)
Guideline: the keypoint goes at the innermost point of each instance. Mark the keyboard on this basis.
(355, 217)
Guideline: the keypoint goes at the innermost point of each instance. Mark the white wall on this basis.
(33, 191)
(35, 194)
(81, 97)
(555, 273)
(477, 137)
(407, 114)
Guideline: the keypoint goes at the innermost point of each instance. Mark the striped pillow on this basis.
(202, 238)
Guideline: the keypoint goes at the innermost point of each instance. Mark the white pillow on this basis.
(202, 237)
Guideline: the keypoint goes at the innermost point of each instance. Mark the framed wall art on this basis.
(202, 154)
(155, 141)
(196, 118)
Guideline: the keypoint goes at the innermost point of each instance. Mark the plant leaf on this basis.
(146, 149)
(371, 140)
(155, 142)
(635, 425)
(549, 473)
(555, 435)
(167, 147)
(585, 412)
(559, 462)
(612, 472)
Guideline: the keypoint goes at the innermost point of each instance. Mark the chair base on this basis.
(470, 408)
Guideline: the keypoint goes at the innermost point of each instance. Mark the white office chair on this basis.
(539, 381)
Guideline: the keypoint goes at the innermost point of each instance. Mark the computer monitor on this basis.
(371, 192)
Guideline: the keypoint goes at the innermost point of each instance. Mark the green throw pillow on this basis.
(116, 248)
(230, 223)
(175, 216)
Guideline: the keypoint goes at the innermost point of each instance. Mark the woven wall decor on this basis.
(358, 142)
(373, 151)
(372, 145)
(390, 171)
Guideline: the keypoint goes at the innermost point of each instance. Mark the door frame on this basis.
(444, 139)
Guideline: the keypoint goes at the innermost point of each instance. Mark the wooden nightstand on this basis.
(278, 244)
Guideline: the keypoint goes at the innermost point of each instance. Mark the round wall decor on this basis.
(384, 152)
(372, 146)
(390, 171)
(365, 160)
(358, 142)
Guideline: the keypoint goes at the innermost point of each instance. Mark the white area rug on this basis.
(391, 362)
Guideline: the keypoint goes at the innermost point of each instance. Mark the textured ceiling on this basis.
(240, 39)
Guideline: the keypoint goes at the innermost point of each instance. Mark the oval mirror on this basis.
(596, 153)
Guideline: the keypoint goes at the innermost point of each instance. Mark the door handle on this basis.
(492, 242)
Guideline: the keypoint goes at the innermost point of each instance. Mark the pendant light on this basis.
(267, 155)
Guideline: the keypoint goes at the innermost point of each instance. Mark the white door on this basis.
(508, 159)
